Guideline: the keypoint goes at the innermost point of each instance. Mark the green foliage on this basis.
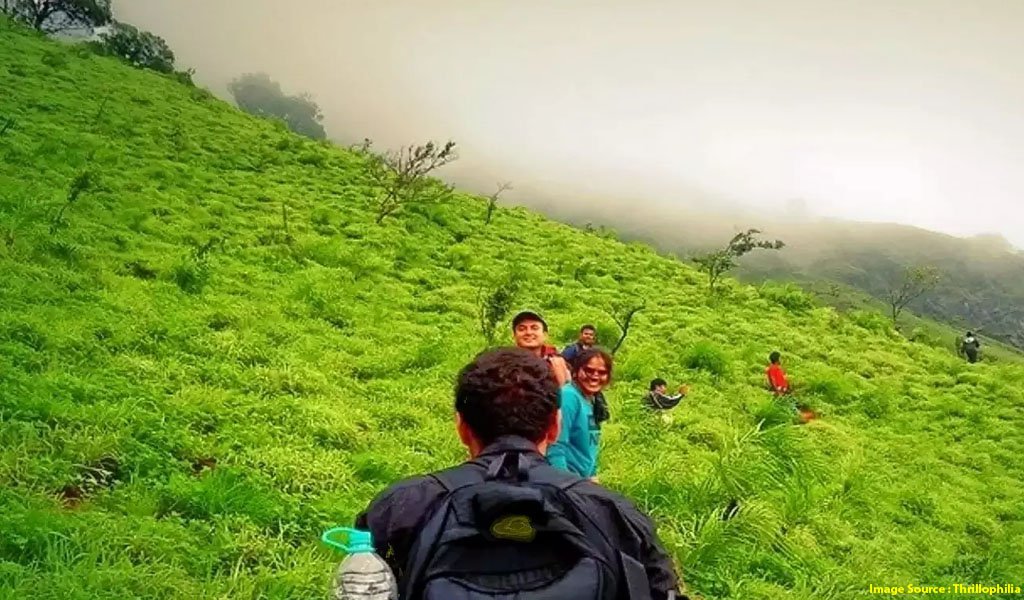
(774, 411)
(53, 16)
(258, 94)
(718, 263)
(708, 357)
(191, 275)
(871, 321)
(138, 48)
(495, 304)
(876, 406)
(831, 385)
(984, 290)
(403, 176)
(786, 295)
(181, 418)
(80, 184)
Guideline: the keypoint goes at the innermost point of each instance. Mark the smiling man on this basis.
(530, 332)
(586, 340)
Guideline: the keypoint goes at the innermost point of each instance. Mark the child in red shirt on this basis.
(776, 376)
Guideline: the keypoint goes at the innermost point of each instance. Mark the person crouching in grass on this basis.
(577, 446)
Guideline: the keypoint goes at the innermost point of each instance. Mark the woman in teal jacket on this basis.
(577, 446)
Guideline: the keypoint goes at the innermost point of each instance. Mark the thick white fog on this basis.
(911, 111)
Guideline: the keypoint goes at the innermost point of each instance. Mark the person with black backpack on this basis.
(506, 524)
(970, 347)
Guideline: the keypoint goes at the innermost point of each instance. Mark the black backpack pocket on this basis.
(583, 581)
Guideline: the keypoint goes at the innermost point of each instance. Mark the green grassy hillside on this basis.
(212, 354)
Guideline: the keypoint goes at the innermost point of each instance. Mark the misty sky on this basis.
(909, 111)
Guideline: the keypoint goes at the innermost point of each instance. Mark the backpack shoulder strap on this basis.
(546, 474)
(507, 465)
(457, 477)
(636, 584)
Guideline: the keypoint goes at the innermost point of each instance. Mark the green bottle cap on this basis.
(359, 541)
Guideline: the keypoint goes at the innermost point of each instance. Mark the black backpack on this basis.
(509, 531)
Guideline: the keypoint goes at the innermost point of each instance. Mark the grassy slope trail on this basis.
(181, 423)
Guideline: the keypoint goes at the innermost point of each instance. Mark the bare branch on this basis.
(915, 282)
(623, 315)
(492, 200)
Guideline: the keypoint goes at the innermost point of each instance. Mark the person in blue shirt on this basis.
(586, 341)
(580, 437)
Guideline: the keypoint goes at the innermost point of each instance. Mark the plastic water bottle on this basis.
(363, 575)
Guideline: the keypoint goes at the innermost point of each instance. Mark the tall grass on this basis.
(177, 424)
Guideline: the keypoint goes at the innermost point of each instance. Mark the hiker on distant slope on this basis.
(657, 398)
(777, 381)
(578, 443)
(586, 340)
(970, 346)
(530, 332)
(526, 530)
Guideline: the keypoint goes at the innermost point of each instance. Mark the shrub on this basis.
(787, 295)
(635, 366)
(321, 217)
(831, 385)
(705, 356)
(872, 321)
(459, 257)
(773, 411)
(191, 275)
(875, 406)
(138, 48)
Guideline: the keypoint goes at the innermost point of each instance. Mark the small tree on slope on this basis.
(913, 283)
(54, 16)
(718, 263)
(139, 48)
(492, 200)
(403, 176)
(495, 302)
(258, 94)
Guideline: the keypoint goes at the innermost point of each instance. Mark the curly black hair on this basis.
(507, 391)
